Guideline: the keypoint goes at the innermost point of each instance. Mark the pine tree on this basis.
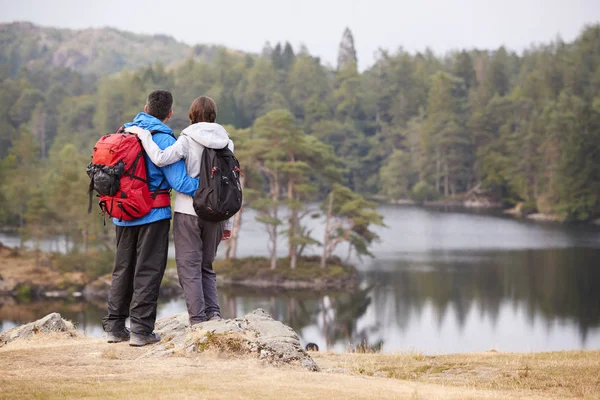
(347, 52)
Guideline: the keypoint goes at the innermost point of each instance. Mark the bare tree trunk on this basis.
(437, 169)
(275, 196)
(231, 251)
(42, 128)
(326, 235)
(446, 179)
(293, 248)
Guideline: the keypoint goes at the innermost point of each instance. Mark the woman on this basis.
(196, 240)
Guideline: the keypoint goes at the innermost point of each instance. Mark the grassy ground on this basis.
(53, 368)
(569, 374)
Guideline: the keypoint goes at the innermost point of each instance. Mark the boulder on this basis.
(256, 334)
(51, 323)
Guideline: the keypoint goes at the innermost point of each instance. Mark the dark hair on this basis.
(159, 104)
(203, 109)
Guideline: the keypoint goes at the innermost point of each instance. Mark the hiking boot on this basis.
(138, 340)
(215, 317)
(118, 336)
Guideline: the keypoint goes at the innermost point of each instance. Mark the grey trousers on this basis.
(196, 243)
(140, 262)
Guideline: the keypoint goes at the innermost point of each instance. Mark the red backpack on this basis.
(118, 174)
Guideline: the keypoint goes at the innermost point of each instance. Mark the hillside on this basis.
(98, 51)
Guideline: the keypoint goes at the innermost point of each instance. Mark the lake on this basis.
(440, 282)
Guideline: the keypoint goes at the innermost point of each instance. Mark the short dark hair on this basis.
(203, 109)
(159, 104)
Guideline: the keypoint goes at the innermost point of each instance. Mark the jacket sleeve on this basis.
(176, 173)
(167, 156)
(228, 226)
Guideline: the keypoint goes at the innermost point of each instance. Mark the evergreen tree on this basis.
(347, 52)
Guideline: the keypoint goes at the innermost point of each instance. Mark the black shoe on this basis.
(138, 340)
(118, 336)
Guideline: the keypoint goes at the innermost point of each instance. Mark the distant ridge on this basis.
(95, 50)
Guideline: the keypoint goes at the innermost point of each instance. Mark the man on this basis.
(142, 244)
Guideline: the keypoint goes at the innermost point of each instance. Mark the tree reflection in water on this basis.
(546, 299)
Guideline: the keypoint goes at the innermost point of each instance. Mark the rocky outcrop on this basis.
(256, 334)
(51, 323)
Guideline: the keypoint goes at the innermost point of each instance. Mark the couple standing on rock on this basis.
(142, 243)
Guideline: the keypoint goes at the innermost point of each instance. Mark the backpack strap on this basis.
(91, 194)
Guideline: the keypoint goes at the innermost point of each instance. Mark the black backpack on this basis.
(219, 194)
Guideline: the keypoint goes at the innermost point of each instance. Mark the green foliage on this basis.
(350, 218)
(395, 175)
(24, 293)
(423, 191)
(522, 128)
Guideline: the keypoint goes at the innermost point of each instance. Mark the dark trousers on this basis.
(140, 264)
(196, 243)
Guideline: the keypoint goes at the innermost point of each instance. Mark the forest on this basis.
(522, 128)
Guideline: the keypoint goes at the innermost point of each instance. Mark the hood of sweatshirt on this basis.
(208, 134)
(148, 122)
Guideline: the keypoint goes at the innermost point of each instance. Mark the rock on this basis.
(58, 294)
(543, 217)
(51, 323)
(8, 287)
(256, 334)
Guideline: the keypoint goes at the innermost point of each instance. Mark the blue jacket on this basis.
(171, 176)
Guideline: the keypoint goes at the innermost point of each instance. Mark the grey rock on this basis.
(50, 323)
(261, 335)
(8, 286)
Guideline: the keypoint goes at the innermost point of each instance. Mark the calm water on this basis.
(441, 282)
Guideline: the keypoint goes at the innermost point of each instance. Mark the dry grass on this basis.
(560, 374)
(25, 268)
(91, 369)
(230, 344)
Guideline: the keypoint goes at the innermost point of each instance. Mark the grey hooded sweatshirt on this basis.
(189, 146)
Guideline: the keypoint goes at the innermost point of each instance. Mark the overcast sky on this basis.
(247, 24)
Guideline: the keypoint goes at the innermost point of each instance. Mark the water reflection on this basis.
(441, 282)
(526, 300)
(559, 285)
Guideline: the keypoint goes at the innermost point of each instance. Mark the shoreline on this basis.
(31, 275)
(469, 205)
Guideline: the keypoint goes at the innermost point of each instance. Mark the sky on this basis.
(442, 25)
